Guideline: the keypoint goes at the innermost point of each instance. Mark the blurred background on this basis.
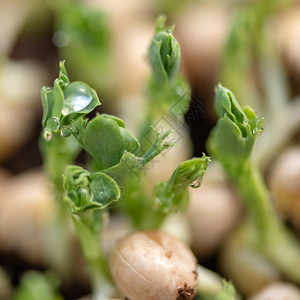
(252, 47)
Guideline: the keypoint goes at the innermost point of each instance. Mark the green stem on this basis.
(211, 286)
(57, 153)
(273, 238)
(208, 282)
(97, 262)
(256, 197)
(58, 242)
(139, 206)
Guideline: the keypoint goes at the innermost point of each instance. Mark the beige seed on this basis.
(153, 265)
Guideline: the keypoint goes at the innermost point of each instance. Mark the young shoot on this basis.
(113, 170)
(173, 194)
(169, 93)
(112, 175)
(231, 142)
(165, 55)
(62, 104)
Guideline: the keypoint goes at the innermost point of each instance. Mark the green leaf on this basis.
(66, 102)
(159, 72)
(85, 191)
(165, 55)
(58, 99)
(76, 127)
(63, 75)
(76, 187)
(156, 146)
(230, 147)
(104, 189)
(232, 139)
(190, 172)
(227, 104)
(127, 166)
(52, 101)
(172, 195)
(173, 59)
(130, 143)
(170, 200)
(103, 140)
(45, 103)
(160, 24)
(106, 140)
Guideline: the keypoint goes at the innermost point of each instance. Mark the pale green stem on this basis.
(273, 238)
(211, 286)
(256, 197)
(56, 155)
(97, 262)
(208, 282)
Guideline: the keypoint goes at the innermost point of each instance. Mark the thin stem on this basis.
(57, 153)
(97, 263)
(157, 146)
(208, 282)
(256, 197)
(211, 286)
(273, 238)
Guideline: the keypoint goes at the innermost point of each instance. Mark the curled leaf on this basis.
(66, 101)
(106, 138)
(85, 191)
(165, 55)
(232, 140)
(172, 195)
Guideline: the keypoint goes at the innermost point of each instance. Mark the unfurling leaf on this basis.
(66, 101)
(85, 191)
(165, 55)
(106, 138)
(172, 195)
(232, 140)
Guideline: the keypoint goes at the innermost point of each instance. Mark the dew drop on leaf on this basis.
(53, 124)
(47, 135)
(78, 96)
(195, 184)
(65, 131)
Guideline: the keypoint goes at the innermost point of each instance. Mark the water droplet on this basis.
(65, 131)
(47, 135)
(195, 184)
(78, 96)
(53, 124)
